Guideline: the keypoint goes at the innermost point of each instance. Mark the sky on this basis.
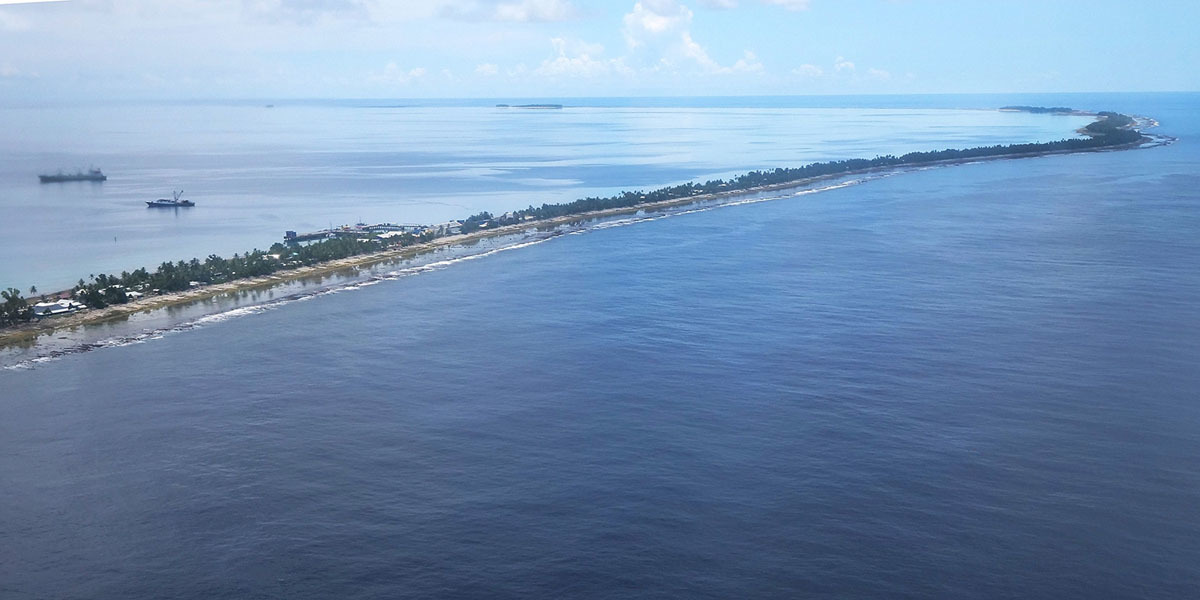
(203, 49)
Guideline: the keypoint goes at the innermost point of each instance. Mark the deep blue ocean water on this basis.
(966, 382)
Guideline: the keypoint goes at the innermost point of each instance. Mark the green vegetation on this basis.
(103, 290)
(476, 222)
(1113, 129)
(1110, 137)
(14, 308)
(553, 106)
(1054, 110)
(1110, 123)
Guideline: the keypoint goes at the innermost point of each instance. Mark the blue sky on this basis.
(561, 48)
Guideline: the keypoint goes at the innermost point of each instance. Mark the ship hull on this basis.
(62, 178)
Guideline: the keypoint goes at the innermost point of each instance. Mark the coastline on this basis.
(29, 332)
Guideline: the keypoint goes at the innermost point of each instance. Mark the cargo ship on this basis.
(90, 175)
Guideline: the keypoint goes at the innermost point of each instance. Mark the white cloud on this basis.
(238, 47)
(662, 29)
(789, 4)
(12, 22)
(307, 11)
(535, 10)
(651, 19)
(514, 11)
(748, 63)
(574, 59)
(697, 53)
(844, 72)
(879, 74)
(573, 46)
(394, 74)
(807, 70)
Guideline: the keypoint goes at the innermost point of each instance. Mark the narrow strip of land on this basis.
(25, 332)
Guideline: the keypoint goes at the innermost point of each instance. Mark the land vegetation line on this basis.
(1121, 138)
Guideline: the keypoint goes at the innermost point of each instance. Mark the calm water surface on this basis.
(973, 382)
(255, 172)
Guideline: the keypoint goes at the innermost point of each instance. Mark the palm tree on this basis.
(14, 307)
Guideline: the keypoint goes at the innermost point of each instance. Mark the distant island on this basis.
(1040, 110)
(1107, 122)
(531, 106)
(108, 296)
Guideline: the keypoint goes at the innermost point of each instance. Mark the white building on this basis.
(60, 307)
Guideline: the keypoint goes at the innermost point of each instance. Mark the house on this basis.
(59, 307)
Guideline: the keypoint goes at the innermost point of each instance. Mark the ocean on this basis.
(255, 172)
(967, 382)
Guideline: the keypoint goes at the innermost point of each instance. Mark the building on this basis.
(59, 307)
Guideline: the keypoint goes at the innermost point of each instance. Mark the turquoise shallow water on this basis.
(971, 382)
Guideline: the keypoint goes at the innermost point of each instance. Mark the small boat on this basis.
(175, 203)
(91, 175)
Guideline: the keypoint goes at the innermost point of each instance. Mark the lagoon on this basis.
(255, 172)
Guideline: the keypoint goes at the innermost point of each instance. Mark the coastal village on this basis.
(297, 250)
(395, 231)
(383, 231)
(385, 235)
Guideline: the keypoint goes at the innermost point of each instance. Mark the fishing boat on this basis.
(174, 203)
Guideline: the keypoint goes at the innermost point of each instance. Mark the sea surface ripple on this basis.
(974, 382)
